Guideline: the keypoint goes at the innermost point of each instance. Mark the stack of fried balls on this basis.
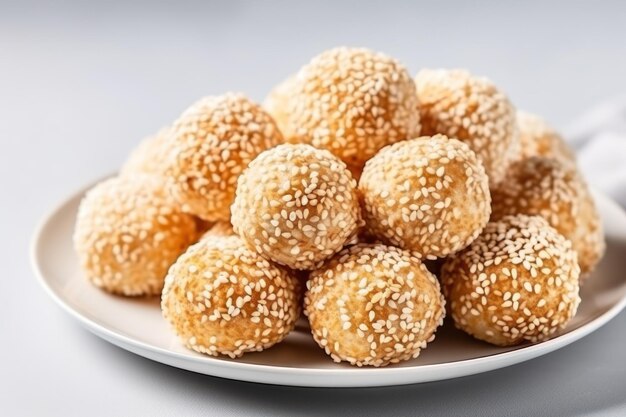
(332, 198)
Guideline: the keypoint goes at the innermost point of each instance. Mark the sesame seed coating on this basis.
(373, 305)
(277, 103)
(353, 102)
(537, 138)
(518, 281)
(539, 186)
(296, 205)
(128, 233)
(471, 109)
(545, 187)
(150, 156)
(429, 195)
(213, 141)
(224, 299)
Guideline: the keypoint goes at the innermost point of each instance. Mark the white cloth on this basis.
(599, 137)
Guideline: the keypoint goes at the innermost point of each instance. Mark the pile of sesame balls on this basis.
(336, 198)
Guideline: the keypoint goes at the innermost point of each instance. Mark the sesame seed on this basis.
(214, 140)
(128, 232)
(388, 330)
(519, 305)
(249, 311)
(472, 109)
(547, 187)
(368, 98)
(297, 241)
(414, 209)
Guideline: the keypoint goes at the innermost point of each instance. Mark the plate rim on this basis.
(342, 377)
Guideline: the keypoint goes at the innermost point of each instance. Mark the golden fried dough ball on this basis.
(545, 187)
(353, 102)
(472, 109)
(296, 205)
(518, 281)
(537, 138)
(373, 304)
(429, 195)
(224, 299)
(128, 233)
(213, 141)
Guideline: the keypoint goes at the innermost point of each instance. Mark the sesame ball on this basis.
(518, 281)
(429, 195)
(296, 205)
(224, 299)
(545, 187)
(277, 103)
(213, 141)
(128, 233)
(150, 156)
(472, 109)
(537, 138)
(353, 102)
(373, 304)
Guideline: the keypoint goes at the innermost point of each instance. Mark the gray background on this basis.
(80, 84)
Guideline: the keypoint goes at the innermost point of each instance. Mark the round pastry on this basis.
(150, 156)
(277, 103)
(471, 109)
(224, 299)
(373, 305)
(212, 143)
(296, 205)
(429, 195)
(518, 281)
(128, 233)
(545, 187)
(537, 138)
(352, 102)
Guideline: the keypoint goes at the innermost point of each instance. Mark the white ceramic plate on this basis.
(137, 325)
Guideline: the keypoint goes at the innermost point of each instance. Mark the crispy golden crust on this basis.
(373, 305)
(537, 138)
(128, 233)
(518, 281)
(213, 141)
(471, 109)
(545, 187)
(352, 102)
(429, 195)
(223, 299)
(296, 205)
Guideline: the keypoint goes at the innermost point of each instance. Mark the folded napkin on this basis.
(599, 137)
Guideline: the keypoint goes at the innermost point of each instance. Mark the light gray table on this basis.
(81, 84)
